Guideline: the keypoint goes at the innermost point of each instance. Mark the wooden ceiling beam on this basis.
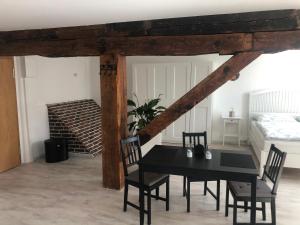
(216, 79)
(224, 44)
(161, 45)
(224, 34)
(272, 42)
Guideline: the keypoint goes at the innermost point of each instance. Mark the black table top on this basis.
(162, 156)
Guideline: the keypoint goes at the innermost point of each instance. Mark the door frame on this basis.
(20, 75)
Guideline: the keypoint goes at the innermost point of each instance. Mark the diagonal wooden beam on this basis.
(220, 76)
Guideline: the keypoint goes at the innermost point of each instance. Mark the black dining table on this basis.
(224, 165)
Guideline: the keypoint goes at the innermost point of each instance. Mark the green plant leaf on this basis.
(160, 107)
(143, 114)
(131, 113)
(132, 125)
(153, 102)
(142, 123)
(131, 103)
(140, 110)
(149, 110)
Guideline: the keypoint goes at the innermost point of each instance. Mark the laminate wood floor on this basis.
(70, 193)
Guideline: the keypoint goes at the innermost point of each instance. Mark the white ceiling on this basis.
(31, 14)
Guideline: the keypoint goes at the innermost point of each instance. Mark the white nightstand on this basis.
(233, 121)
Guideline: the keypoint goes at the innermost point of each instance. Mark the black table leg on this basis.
(141, 196)
(253, 201)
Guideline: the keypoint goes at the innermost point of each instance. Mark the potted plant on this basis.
(143, 114)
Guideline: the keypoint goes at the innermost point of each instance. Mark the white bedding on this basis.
(278, 130)
(261, 145)
(277, 107)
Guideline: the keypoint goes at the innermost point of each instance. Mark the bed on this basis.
(274, 118)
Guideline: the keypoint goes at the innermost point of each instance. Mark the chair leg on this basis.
(125, 197)
(205, 187)
(227, 199)
(149, 207)
(234, 212)
(156, 193)
(218, 195)
(245, 206)
(184, 186)
(188, 196)
(273, 211)
(167, 194)
(263, 206)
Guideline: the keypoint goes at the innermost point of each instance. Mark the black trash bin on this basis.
(56, 150)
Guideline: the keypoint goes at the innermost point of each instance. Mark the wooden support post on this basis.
(224, 73)
(114, 117)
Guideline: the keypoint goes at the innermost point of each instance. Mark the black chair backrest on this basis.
(131, 152)
(193, 139)
(274, 166)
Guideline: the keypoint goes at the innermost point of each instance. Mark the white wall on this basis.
(41, 81)
(94, 71)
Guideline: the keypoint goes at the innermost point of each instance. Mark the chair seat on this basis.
(242, 190)
(150, 179)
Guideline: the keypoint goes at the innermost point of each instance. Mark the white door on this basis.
(171, 81)
(201, 115)
(143, 82)
(178, 77)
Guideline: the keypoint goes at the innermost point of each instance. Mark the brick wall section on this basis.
(79, 122)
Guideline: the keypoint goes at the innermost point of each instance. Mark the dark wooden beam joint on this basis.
(108, 69)
(226, 70)
(236, 77)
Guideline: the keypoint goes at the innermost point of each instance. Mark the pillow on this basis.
(275, 118)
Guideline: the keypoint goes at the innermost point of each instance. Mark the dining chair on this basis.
(192, 140)
(131, 154)
(241, 191)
